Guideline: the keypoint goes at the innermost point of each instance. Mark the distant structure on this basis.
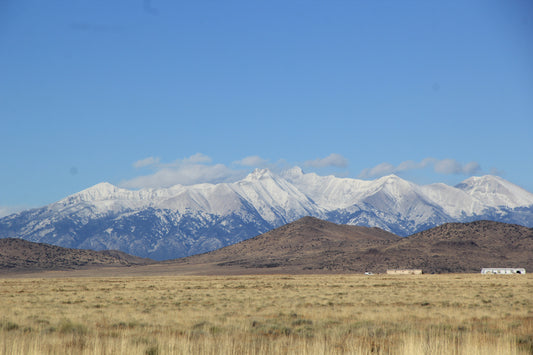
(405, 272)
(503, 270)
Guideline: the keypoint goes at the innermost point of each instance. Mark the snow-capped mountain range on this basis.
(185, 220)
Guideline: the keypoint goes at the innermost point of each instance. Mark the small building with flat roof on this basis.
(503, 270)
(404, 272)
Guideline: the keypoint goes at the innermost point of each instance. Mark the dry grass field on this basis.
(271, 314)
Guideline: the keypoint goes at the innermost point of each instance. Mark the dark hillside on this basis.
(21, 255)
(313, 245)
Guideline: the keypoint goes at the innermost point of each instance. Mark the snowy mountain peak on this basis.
(103, 186)
(259, 174)
(391, 179)
(474, 181)
(496, 191)
(393, 182)
(99, 191)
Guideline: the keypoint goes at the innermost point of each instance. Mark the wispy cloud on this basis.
(451, 166)
(146, 162)
(184, 175)
(443, 166)
(200, 168)
(196, 159)
(188, 171)
(332, 160)
(252, 161)
(378, 170)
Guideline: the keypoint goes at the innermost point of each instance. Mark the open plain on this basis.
(267, 314)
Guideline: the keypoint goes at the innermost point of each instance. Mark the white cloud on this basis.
(197, 158)
(452, 166)
(184, 175)
(333, 159)
(199, 168)
(471, 168)
(188, 171)
(447, 166)
(154, 162)
(252, 161)
(146, 162)
(379, 170)
(444, 166)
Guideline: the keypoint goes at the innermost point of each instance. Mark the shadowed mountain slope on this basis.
(465, 247)
(21, 255)
(306, 244)
(313, 245)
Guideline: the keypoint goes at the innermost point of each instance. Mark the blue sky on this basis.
(151, 93)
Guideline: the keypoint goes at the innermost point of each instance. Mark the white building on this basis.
(405, 272)
(503, 270)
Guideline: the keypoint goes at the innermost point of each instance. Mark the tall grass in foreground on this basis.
(340, 314)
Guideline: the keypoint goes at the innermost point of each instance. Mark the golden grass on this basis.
(326, 314)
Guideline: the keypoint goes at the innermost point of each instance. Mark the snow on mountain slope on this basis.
(184, 220)
(329, 192)
(101, 199)
(389, 193)
(218, 199)
(275, 198)
(106, 198)
(293, 193)
(453, 201)
(495, 191)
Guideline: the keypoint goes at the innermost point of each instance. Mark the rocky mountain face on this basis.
(186, 220)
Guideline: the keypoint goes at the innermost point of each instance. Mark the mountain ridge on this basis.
(179, 221)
